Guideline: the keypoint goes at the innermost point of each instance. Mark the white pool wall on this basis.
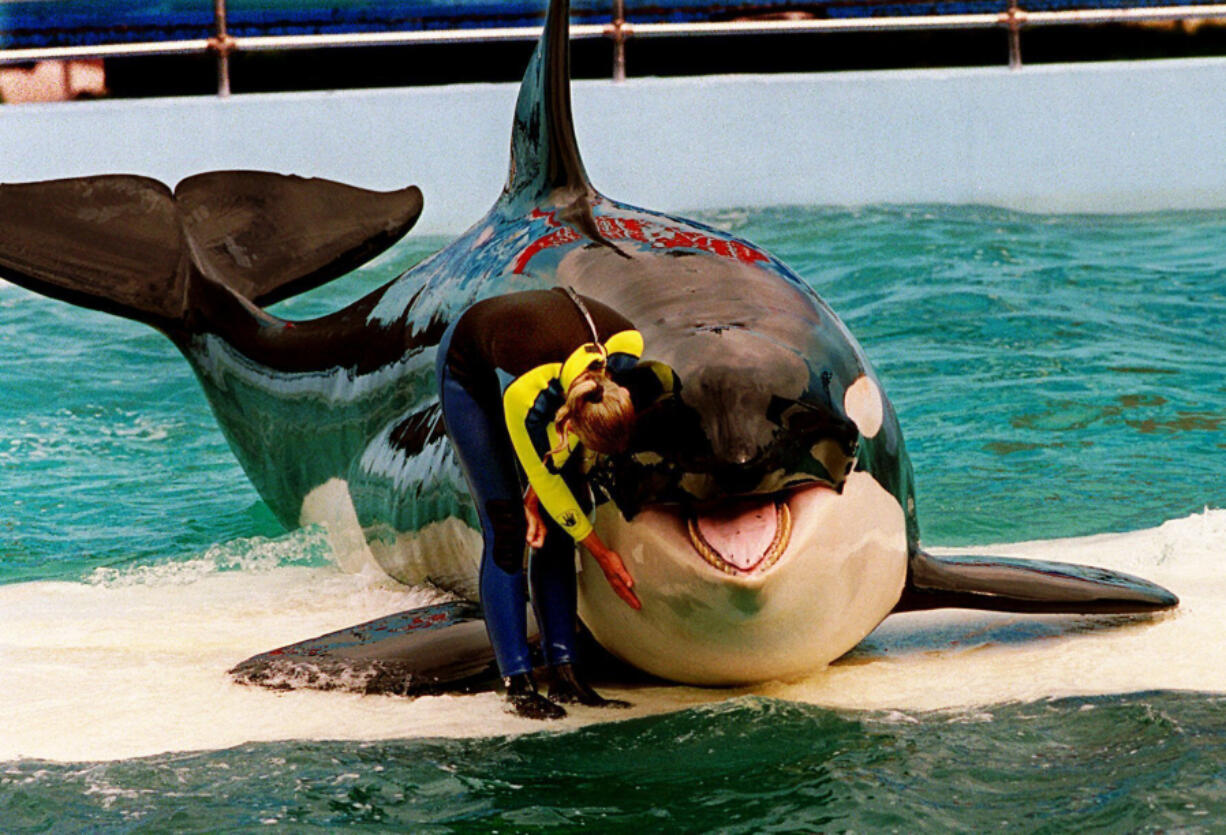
(1097, 137)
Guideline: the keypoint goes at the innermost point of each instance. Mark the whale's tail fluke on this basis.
(271, 236)
(130, 246)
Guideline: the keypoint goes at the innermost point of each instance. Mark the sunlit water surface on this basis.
(1056, 377)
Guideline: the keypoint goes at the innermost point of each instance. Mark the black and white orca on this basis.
(766, 509)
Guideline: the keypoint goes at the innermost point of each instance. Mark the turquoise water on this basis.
(1139, 762)
(1054, 376)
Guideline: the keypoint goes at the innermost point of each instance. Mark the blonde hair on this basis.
(598, 411)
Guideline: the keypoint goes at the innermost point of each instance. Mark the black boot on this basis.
(569, 689)
(523, 700)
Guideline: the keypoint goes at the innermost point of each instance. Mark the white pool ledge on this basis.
(1106, 137)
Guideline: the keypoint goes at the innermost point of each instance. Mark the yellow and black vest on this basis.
(519, 353)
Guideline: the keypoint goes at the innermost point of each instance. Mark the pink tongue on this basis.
(741, 533)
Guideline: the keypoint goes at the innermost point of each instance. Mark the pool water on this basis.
(1058, 379)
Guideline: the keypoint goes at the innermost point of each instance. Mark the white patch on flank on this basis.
(862, 403)
(445, 554)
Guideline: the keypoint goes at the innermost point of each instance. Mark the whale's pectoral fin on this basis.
(1014, 585)
(419, 651)
(271, 236)
(109, 243)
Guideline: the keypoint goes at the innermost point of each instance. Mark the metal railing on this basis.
(619, 30)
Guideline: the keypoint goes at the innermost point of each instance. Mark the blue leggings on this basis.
(483, 446)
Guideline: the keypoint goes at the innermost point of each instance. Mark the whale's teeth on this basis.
(783, 535)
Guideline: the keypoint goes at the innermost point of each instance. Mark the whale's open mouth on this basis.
(743, 536)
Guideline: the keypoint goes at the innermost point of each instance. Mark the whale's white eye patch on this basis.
(862, 403)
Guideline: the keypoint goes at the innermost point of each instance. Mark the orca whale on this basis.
(766, 506)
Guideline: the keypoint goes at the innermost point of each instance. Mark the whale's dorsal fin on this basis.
(544, 154)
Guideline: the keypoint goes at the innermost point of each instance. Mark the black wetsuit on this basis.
(503, 368)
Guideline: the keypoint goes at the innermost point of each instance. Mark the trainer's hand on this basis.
(536, 525)
(614, 569)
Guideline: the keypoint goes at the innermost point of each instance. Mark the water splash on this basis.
(309, 546)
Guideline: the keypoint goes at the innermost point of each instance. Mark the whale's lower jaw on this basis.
(841, 574)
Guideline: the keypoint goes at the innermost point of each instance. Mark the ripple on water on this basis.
(1149, 761)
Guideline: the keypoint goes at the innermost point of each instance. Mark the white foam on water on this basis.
(134, 662)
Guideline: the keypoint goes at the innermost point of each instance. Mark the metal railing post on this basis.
(619, 40)
(1014, 18)
(222, 45)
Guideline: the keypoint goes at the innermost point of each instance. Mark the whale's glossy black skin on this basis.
(761, 362)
